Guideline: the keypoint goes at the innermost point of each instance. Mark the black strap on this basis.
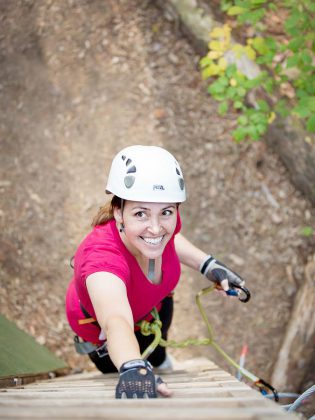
(205, 265)
(87, 315)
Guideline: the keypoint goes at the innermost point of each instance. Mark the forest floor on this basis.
(80, 80)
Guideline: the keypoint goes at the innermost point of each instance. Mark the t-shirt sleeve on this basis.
(97, 258)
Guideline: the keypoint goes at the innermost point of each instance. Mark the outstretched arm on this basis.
(109, 298)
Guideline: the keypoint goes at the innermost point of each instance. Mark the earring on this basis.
(122, 228)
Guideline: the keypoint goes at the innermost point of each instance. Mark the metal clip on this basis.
(245, 292)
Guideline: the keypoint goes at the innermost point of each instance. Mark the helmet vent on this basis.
(132, 170)
(123, 157)
(129, 181)
(177, 171)
(128, 161)
(181, 184)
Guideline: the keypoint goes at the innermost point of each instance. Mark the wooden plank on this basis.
(199, 394)
(136, 412)
(158, 403)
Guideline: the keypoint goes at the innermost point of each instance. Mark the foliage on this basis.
(287, 80)
(307, 231)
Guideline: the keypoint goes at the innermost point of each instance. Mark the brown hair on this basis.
(106, 212)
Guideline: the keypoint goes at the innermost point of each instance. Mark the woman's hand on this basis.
(218, 273)
(137, 380)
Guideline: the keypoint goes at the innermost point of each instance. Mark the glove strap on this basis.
(205, 264)
(136, 380)
(135, 364)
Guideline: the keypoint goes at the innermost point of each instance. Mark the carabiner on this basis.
(233, 292)
(261, 384)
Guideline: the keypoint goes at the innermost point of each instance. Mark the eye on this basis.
(140, 214)
(167, 212)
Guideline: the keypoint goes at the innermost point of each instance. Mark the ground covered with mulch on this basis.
(80, 80)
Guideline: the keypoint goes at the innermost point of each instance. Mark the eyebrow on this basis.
(146, 208)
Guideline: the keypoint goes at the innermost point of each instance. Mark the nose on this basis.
(154, 226)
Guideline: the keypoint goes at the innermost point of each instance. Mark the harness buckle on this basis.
(102, 351)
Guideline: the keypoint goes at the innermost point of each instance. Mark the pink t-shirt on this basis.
(103, 250)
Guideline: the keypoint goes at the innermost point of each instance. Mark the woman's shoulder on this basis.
(102, 251)
(101, 238)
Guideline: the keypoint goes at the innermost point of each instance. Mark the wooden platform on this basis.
(201, 391)
(21, 356)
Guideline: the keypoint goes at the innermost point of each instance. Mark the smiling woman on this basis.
(130, 264)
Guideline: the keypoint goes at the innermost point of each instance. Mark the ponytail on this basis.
(106, 212)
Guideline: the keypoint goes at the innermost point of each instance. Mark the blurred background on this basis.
(80, 80)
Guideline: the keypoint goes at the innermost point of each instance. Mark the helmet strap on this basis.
(151, 270)
(122, 226)
(122, 203)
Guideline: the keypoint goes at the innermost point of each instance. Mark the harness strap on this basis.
(88, 319)
(85, 347)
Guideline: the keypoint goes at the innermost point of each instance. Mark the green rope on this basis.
(147, 328)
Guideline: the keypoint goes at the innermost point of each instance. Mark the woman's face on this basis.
(147, 227)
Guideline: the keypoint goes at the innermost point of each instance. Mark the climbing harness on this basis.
(154, 327)
(85, 347)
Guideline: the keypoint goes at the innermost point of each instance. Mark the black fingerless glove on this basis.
(136, 380)
(215, 271)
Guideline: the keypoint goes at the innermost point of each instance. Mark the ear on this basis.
(118, 215)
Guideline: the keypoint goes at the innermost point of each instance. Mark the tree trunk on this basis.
(297, 350)
(297, 151)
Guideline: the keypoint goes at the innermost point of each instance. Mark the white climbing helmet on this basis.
(146, 173)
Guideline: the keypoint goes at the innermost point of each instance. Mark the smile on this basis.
(153, 241)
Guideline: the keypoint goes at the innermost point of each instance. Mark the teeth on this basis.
(153, 241)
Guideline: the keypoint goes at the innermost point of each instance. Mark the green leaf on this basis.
(309, 102)
(272, 6)
(260, 45)
(253, 16)
(223, 108)
(311, 6)
(296, 43)
(242, 120)
(238, 105)
(216, 88)
(293, 61)
(231, 92)
(292, 21)
(241, 91)
(253, 133)
(251, 83)
(231, 70)
(239, 134)
(205, 61)
(235, 10)
(261, 128)
(306, 231)
(269, 85)
(306, 58)
(223, 81)
(310, 125)
(263, 106)
(282, 109)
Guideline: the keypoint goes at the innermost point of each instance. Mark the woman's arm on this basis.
(109, 298)
(214, 270)
(188, 253)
